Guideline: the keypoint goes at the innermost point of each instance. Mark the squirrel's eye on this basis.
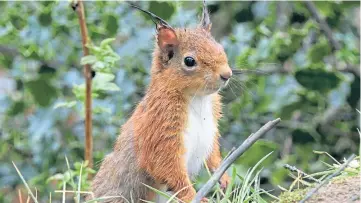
(189, 61)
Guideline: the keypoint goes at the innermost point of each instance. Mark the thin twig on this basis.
(325, 28)
(326, 180)
(232, 158)
(79, 8)
(323, 25)
(303, 174)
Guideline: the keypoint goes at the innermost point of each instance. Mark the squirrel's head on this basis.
(190, 60)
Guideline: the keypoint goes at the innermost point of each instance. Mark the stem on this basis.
(88, 85)
(233, 157)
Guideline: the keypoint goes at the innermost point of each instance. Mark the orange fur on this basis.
(215, 158)
(150, 148)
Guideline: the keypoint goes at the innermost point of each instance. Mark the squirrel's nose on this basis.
(225, 76)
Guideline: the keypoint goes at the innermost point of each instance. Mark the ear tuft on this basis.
(205, 21)
(167, 39)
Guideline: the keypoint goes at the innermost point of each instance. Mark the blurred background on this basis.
(311, 82)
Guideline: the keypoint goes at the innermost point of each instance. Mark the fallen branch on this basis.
(232, 158)
(78, 6)
(326, 180)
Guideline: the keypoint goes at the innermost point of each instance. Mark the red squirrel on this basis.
(174, 128)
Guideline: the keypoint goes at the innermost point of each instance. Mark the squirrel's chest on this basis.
(199, 133)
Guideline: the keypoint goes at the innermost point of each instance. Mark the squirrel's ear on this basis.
(205, 21)
(167, 38)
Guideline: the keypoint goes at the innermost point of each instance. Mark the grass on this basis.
(241, 189)
(295, 195)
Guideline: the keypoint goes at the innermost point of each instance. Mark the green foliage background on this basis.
(303, 80)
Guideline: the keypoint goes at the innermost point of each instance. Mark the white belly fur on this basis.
(198, 137)
(199, 134)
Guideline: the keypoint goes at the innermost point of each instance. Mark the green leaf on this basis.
(111, 24)
(16, 108)
(90, 59)
(112, 87)
(79, 91)
(94, 49)
(242, 61)
(351, 56)
(354, 95)
(65, 104)
(302, 136)
(98, 66)
(103, 77)
(99, 110)
(319, 51)
(58, 176)
(42, 91)
(279, 175)
(162, 9)
(325, 8)
(102, 82)
(91, 171)
(111, 59)
(47, 70)
(17, 21)
(264, 30)
(106, 86)
(106, 42)
(45, 18)
(257, 151)
(317, 79)
(287, 110)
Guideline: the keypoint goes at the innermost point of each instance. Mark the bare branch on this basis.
(78, 6)
(323, 25)
(303, 174)
(326, 180)
(350, 69)
(233, 157)
(328, 33)
(8, 51)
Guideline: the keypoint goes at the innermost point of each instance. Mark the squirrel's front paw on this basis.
(224, 181)
(204, 200)
(187, 195)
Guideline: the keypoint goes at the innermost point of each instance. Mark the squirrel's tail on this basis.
(120, 178)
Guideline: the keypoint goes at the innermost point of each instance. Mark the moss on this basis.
(339, 186)
(294, 196)
(340, 179)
